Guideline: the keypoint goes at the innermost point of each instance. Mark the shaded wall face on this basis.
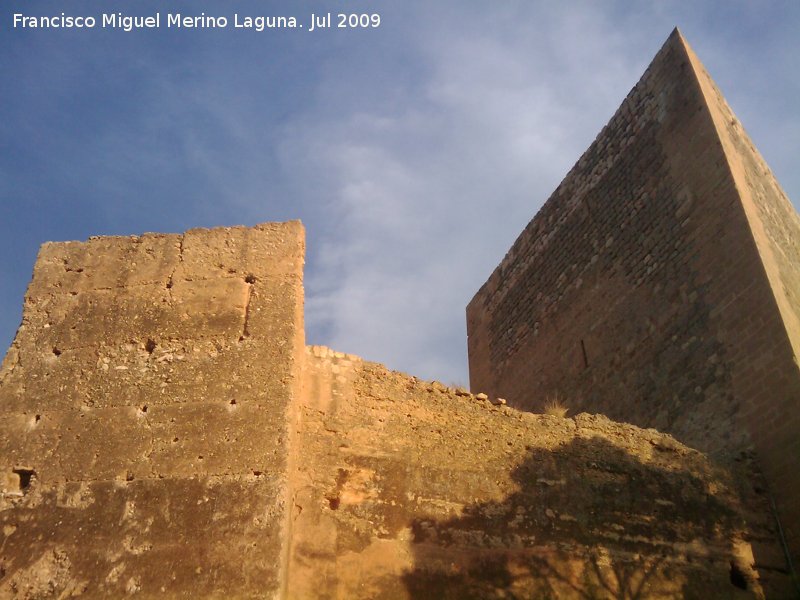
(772, 405)
(143, 415)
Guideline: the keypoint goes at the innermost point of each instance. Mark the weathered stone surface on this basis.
(243, 252)
(104, 263)
(144, 411)
(405, 492)
(198, 536)
(204, 452)
(659, 284)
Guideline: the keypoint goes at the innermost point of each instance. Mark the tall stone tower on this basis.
(659, 284)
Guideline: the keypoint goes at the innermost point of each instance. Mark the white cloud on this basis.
(429, 192)
(428, 198)
(414, 154)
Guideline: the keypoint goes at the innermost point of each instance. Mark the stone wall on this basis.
(409, 489)
(658, 284)
(164, 433)
(144, 407)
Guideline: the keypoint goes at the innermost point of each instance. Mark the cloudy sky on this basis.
(414, 152)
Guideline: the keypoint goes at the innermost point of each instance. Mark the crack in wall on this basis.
(196, 336)
(171, 277)
(57, 454)
(148, 454)
(55, 294)
(250, 280)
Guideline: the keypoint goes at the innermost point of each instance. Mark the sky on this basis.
(414, 152)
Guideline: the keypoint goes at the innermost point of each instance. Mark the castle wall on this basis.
(144, 409)
(651, 288)
(164, 433)
(409, 489)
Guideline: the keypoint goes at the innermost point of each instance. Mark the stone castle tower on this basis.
(660, 284)
(166, 432)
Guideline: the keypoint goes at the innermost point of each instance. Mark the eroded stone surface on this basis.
(143, 416)
(185, 443)
(409, 489)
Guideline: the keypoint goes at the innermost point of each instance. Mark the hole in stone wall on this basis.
(25, 477)
(37, 418)
(144, 408)
(585, 358)
(257, 473)
(737, 577)
(250, 279)
(334, 503)
(56, 351)
(150, 345)
(233, 401)
(341, 477)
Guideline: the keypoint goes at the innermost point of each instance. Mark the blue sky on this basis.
(414, 152)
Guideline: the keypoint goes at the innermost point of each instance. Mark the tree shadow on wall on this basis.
(590, 520)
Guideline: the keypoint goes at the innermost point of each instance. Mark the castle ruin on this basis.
(166, 432)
